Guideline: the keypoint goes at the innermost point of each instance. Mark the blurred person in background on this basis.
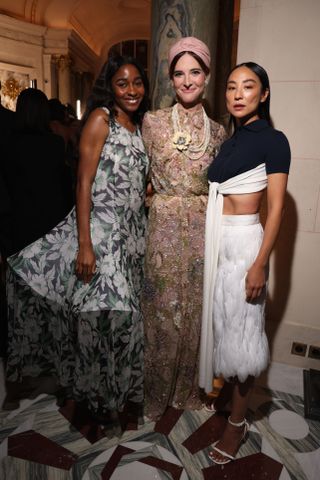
(6, 125)
(34, 172)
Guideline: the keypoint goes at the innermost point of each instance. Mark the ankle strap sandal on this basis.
(226, 456)
(239, 424)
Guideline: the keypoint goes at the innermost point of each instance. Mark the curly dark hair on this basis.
(102, 94)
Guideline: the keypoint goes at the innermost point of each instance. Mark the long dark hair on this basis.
(194, 55)
(264, 107)
(32, 112)
(102, 94)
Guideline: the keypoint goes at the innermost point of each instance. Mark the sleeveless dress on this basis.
(90, 336)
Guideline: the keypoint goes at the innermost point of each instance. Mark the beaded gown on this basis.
(172, 298)
(88, 335)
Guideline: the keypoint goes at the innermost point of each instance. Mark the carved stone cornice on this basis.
(68, 42)
(63, 62)
(21, 31)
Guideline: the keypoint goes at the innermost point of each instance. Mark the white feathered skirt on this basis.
(240, 342)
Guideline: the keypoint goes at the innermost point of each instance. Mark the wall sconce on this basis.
(33, 83)
(78, 109)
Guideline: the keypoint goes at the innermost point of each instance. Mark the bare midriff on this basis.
(244, 204)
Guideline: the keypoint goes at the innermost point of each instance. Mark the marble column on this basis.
(64, 83)
(47, 66)
(172, 19)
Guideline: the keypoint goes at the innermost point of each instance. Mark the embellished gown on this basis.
(172, 298)
(89, 336)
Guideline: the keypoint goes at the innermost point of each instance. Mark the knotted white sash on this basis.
(251, 181)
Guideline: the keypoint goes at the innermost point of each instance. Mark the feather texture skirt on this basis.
(240, 343)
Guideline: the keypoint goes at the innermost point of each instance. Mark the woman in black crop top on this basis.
(256, 157)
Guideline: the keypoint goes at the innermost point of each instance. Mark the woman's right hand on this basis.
(93, 137)
(85, 263)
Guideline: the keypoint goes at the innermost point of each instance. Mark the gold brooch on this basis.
(181, 140)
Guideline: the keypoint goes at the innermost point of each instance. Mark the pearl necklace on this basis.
(182, 140)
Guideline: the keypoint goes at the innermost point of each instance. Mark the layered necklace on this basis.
(182, 140)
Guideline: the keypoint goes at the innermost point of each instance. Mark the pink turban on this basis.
(190, 44)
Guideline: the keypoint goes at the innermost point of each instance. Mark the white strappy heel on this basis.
(210, 408)
(227, 456)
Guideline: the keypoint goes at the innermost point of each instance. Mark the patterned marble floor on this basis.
(40, 442)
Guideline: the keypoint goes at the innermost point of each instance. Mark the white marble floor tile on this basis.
(27, 425)
(310, 463)
(3, 449)
(277, 442)
(289, 424)
(284, 475)
(284, 378)
(138, 470)
(52, 407)
(267, 449)
(24, 404)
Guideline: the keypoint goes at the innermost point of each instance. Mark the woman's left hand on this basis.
(149, 194)
(255, 282)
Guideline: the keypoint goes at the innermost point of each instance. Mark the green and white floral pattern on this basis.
(89, 335)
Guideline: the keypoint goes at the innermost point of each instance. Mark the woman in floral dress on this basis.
(181, 142)
(74, 294)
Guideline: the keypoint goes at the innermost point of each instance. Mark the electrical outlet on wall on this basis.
(314, 352)
(299, 349)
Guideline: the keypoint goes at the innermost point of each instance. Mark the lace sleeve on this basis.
(147, 133)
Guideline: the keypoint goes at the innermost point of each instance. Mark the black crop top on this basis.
(249, 146)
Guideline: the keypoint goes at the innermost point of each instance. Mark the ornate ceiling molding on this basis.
(97, 22)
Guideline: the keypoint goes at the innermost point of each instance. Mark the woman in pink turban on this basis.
(181, 142)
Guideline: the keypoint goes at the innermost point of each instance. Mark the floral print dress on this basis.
(90, 336)
(172, 298)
